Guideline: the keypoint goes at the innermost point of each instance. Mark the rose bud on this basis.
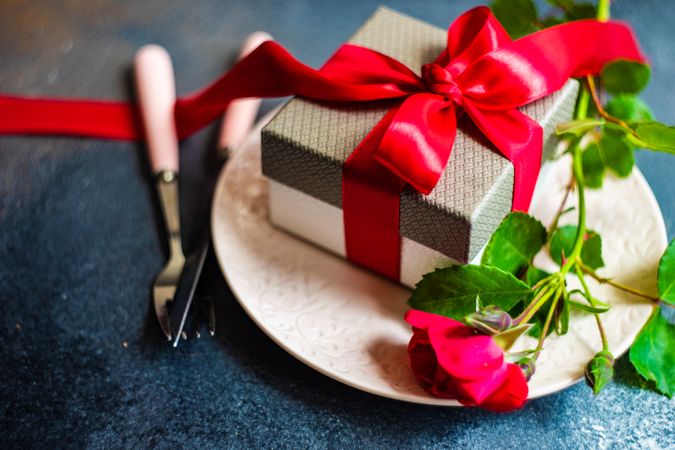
(490, 320)
(599, 371)
(527, 366)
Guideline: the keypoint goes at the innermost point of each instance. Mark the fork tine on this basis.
(163, 318)
(161, 311)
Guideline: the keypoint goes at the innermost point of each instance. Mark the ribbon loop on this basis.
(418, 141)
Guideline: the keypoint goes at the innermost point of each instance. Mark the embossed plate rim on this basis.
(414, 395)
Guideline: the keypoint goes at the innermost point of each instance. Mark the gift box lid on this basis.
(306, 144)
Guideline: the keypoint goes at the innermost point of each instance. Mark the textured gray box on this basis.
(306, 143)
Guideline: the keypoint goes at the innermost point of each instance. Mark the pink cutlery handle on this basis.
(240, 114)
(157, 94)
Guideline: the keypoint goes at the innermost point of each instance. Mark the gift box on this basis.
(304, 148)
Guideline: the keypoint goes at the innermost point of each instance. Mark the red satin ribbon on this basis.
(482, 72)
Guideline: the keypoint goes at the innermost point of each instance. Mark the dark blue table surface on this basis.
(82, 361)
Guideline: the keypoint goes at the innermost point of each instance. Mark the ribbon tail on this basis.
(520, 139)
(370, 207)
(353, 74)
(539, 64)
(88, 118)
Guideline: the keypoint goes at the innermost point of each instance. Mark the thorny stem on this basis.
(582, 105)
(539, 300)
(603, 10)
(523, 316)
(577, 169)
(577, 179)
(556, 218)
(598, 105)
(591, 300)
(631, 135)
(587, 270)
(547, 324)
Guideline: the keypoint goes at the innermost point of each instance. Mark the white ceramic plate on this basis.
(348, 323)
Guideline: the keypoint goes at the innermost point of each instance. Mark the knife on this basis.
(237, 122)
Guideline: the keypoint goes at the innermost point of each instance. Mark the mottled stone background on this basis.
(82, 363)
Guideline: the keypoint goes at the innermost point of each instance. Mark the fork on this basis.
(157, 94)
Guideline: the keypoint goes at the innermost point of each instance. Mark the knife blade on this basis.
(237, 123)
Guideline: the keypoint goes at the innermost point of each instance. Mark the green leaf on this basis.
(515, 242)
(599, 309)
(613, 153)
(562, 317)
(666, 276)
(593, 168)
(560, 3)
(625, 77)
(655, 136)
(653, 352)
(629, 108)
(507, 338)
(577, 127)
(452, 291)
(519, 17)
(551, 22)
(591, 252)
(578, 11)
(562, 243)
(617, 155)
(600, 306)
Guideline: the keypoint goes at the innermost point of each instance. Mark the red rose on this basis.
(452, 360)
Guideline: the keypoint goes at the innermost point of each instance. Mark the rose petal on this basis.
(476, 392)
(429, 375)
(510, 395)
(443, 385)
(466, 355)
(425, 320)
(423, 363)
(420, 336)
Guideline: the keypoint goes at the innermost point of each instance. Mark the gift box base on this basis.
(321, 224)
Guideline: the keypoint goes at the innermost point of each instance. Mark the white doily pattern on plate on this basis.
(348, 323)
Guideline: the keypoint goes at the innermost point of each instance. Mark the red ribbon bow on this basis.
(481, 71)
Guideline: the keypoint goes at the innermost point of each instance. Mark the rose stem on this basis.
(603, 10)
(621, 287)
(591, 300)
(547, 323)
(539, 301)
(601, 110)
(556, 219)
(581, 228)
(578, 176)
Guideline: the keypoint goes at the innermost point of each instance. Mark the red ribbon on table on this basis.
(482, 72)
